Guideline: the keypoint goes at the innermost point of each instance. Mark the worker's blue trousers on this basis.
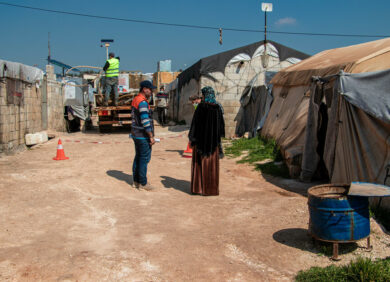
(143, 152)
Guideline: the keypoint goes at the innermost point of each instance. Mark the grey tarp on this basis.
(269, 99)
(80, 111)
(357, 144)
(253, 102)
(255, 105)
(77, 96)
(20, 71)
(369, 92)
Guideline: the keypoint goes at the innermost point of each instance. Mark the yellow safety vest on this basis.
(113, 69)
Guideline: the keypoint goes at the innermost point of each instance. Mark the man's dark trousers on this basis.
(143, 152)
(161, 111)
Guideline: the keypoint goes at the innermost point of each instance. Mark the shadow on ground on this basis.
(178, 128)
(291, 185)
(178, 151)
(299, 238)
(114, 130)
(120, 175)
(181, 185)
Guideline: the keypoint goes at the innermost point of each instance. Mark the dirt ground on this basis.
(80, 219)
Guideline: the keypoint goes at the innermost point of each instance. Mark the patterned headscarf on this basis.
(209, 95)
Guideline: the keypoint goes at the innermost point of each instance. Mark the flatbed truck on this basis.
(113, 116)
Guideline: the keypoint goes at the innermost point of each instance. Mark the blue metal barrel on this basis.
(336, 217)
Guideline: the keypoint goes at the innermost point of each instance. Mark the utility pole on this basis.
(106, 43)
(265, 7)
(48, 45)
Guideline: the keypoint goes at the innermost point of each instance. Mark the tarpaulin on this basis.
(20, 71)
(369, 92)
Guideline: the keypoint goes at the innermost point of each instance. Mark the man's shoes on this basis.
(147, 187)
(136, 184)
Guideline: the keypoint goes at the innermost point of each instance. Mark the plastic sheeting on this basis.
(238, 58)
(269, 99)
(252, 110)
(218, 62)
(20, 71)
(286, 123)
(80, 111)
(255, 105)
(369, 92)
(77, 97)
(362, 147)
(356, 144)
(271, 50)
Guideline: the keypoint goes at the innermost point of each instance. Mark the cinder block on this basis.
(4, 118)
(5, 128)
(11, 109)
(15, 136)
(229, 116)
(228, 110)
(4, 110)
(230, 123)
(229, 132)
(228, 97)
(231, 103)
(12, 126)
(3, 100)
(10, 146)
(36, 138)
(236, 109)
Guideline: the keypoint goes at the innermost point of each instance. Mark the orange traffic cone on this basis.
(60, 152)
(188, 153)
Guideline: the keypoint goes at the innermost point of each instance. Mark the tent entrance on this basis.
(313, 164)
(322, 124)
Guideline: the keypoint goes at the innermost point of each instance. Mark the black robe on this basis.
(207, 128)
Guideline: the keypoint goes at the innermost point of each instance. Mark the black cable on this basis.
(188, 25)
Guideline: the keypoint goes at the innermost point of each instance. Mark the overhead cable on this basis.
(188, 25)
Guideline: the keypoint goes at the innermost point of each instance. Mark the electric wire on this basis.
(191, 26)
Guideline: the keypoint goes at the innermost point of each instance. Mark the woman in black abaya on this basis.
(207, 128)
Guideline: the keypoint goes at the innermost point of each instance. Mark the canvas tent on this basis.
(239, 77)
(331, 114)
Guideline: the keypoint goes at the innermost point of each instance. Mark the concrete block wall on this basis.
(18, 120)
(55, 106)
(231, 84)
(230, 87)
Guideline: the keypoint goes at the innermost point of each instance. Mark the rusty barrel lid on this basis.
(365, 189)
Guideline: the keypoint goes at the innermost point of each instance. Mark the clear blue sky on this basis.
(76, 40)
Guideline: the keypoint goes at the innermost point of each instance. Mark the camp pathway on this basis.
(80, 219)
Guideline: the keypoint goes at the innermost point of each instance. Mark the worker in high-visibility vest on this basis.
(112, 71)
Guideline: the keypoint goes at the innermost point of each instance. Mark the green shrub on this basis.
(362, 269)
(259, 149)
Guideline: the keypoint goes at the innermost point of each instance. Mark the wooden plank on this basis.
(113, 108)
(124, 115)
(368, 190)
